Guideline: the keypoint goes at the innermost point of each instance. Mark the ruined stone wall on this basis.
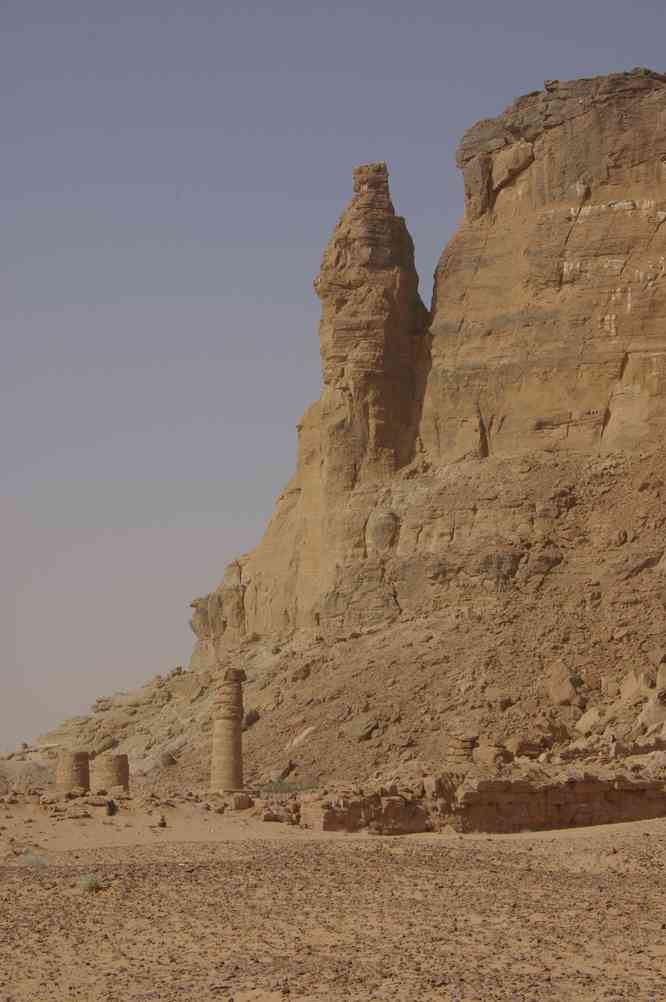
(497, 805)
(494, 804)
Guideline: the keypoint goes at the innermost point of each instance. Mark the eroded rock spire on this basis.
(373, 337)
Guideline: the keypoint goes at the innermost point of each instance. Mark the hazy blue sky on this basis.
(171, 173)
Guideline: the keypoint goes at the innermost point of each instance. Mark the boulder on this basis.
(590, 720)
(560, 686)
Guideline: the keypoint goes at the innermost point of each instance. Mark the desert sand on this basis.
(229, 907)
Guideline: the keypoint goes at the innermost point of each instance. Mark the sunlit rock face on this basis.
(547, 335)
(360, 433)
(549, 303)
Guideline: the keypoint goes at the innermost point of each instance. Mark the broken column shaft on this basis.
(226, 772)
(73, 771)
(111, 771)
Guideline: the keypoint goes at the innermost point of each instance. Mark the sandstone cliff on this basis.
(474, 536)
(548, 310)
(547, 332)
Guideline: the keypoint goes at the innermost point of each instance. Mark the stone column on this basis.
(226, 771)
(73, 771)
(110, 771)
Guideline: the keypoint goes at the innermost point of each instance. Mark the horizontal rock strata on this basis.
(546, 333)
(549, 304)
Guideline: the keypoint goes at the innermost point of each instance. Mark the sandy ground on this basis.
(229, 907)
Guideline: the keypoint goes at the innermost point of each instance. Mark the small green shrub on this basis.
(32, 859)
(90, 884)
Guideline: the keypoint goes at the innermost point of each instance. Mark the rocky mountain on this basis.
(546, 334)
(473, 539)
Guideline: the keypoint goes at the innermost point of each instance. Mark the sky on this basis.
(171, 172)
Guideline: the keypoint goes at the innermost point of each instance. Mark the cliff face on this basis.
(549, 303)
(547, 332)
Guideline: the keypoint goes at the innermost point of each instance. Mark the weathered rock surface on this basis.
(374, 351)
(546, 333)
(549, 304)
